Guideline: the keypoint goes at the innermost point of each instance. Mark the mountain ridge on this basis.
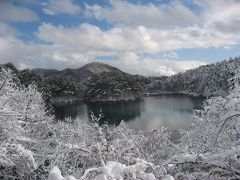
(81, 73)
(207, 80)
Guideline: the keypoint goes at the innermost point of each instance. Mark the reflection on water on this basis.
(114, 113)
(172, 111)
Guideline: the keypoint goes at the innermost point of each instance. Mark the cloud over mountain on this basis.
(147, 38)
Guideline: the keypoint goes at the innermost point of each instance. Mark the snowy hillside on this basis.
(208, 80)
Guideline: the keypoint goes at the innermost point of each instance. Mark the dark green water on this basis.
(172, 111)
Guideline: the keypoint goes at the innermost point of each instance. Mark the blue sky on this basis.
(157, 37)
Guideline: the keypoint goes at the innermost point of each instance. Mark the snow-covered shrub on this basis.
(211, 148)
(157, 145)
(112, 170)
(24, 128)
(91, 151)
(83, 146)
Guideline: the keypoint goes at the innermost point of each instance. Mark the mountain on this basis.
(80, 74)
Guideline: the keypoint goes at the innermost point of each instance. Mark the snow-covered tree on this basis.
(212, 145)
(89, 148)
(208, 80)
(24, 126)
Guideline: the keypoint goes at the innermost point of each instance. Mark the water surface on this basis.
(172, 111)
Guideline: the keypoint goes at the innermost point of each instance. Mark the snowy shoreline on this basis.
(69, 100)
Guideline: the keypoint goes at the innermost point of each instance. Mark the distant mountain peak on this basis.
(96, 62)
(82, 73)
(98, 67)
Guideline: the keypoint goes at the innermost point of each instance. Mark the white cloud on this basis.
(222, 15)
(227, 47)
(60, 55)
(171, 55)
(130, 62)
(14, 50)
(7, 30)
(53, 7)
(215, 18)
(30, 54)
(139, 39)
(22, 66)
(150, 15)
(10, 12)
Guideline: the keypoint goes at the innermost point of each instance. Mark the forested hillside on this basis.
(54, 89)
(112, 86)
(208, 80)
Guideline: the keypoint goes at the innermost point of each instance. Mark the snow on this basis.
(167, 177)
(55, 174)
(101, 177)
(112, 170)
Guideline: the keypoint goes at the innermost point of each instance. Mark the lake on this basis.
(172, 111)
